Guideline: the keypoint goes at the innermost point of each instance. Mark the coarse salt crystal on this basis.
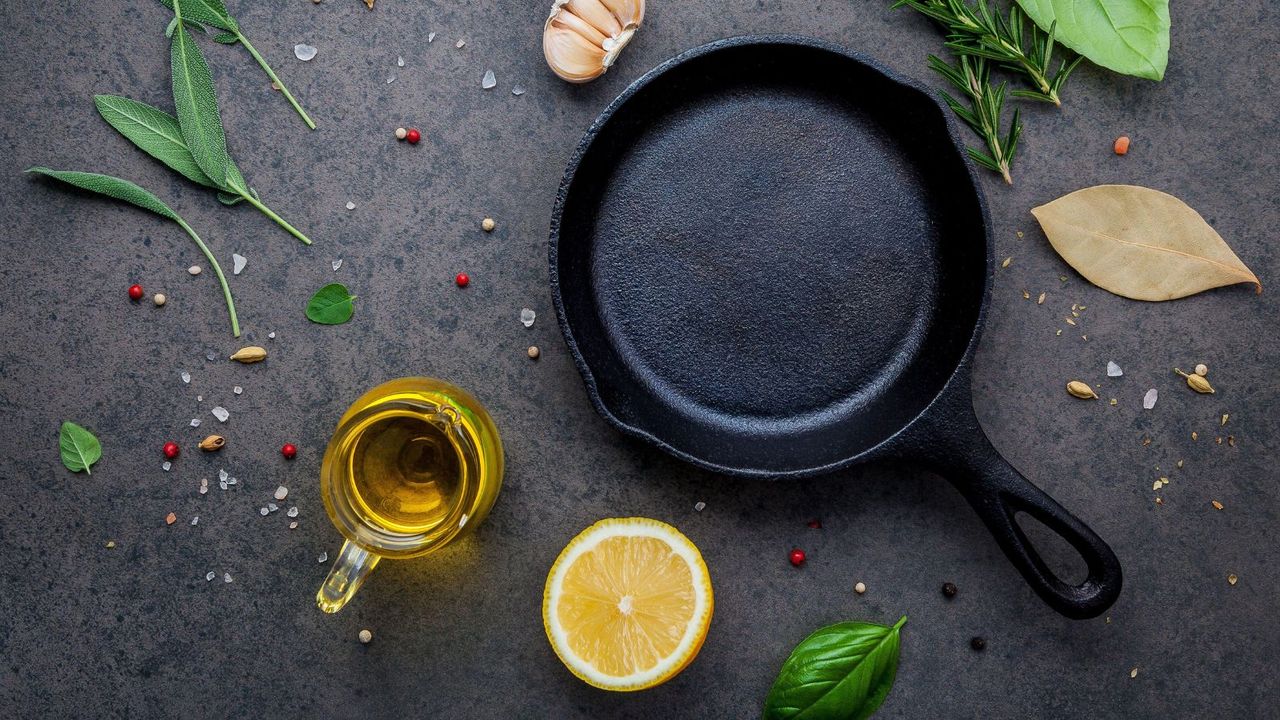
(195, 422)
(489, 80)
(222, 484)
(231, 481)
(699, 506)
(166, 465)
(223, 475)
(336, 264)
(293, 511)
(220, 413)
(323, 557)
(237, 389)
(272, 334)
(282, 492)
(210, 575)
(304, 52)
(238, 262)
(527, 317)
(293, 525)
(400, 60)
(211, 355)
(517, 90)
(186, 377)
(263, 512)
(351, 205)
(1149, 400)
(204, 489)
(431, 36)
(195, 519)
(1113, 370)
(460, 43)
(391, 79)
(199, 398)
(226, 577)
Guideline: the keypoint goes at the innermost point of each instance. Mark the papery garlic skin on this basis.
(582, 38)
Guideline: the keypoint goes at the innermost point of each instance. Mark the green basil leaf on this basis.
(1128, 36)
(209, 12)
(331, 305)
(197, 104)
(79, 448)
(155, 132)
(111, 187)
(841, 672)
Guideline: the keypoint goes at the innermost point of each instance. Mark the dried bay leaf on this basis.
(1140, 243)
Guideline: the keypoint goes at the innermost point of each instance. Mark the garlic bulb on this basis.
(582, 38)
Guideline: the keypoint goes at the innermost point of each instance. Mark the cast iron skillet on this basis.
(769, 258)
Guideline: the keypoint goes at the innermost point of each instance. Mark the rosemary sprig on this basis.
(980, 32)
(986, 103)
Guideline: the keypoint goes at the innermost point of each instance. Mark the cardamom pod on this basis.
(251, 354)
(1081, 390)
(213, 442)
(1196, 382)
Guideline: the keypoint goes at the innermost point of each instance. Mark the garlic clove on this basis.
(583, 38)
(571, 56)
(594, 12)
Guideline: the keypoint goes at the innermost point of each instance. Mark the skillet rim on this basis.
(959, 373)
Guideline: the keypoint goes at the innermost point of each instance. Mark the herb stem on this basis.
(288, 95)
(217, 270)
(269, 213)
(900, 623)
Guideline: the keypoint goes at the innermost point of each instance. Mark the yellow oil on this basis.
(414, 464)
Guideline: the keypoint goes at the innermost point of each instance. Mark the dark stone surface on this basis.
(135, 631)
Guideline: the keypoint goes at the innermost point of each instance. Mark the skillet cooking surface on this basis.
(769, 256)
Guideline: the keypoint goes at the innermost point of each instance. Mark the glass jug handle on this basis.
(349, 572)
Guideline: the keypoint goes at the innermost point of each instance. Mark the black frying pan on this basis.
(770, 259)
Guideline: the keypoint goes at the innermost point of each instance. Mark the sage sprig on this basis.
(213, 13)
(124, 190)
(986, 104)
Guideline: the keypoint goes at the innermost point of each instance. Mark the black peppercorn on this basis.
(949, 590)
(978, 643)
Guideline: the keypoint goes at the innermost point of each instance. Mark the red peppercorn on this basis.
(171, 450)
(135, 292)
(413, 136)
(797, 557)
(462, 280)
(289, 451)
(815, 524)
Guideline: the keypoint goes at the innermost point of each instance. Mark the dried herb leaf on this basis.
(1140, 243)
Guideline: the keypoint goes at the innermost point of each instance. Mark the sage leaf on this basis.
(226, 38)
(1140, 243)
(1130, 37)
(331, 305)
(79, 448)
(208, 12)
(197, 105)
(840, 672)
(155, 132)
(119, 189)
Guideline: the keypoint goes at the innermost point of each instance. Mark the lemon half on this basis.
(627, 604)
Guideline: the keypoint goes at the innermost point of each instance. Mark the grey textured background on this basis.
(135, 631)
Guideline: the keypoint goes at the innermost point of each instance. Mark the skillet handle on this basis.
(996, 491)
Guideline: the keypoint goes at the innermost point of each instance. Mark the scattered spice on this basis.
(1179, 464)
(1113, 402)
(1081, 390)
(250, 354)
(1070, 321)
(1224, 418)
(401, 133)
(462, 280)
(171, 450)
(814, 524)
(170, 519)
(1202, 369)
(949, 590)
(797, 557)
(1133, 673)
(1122, 145)
(1146, 441)
(860, 588)
(1149, 400)
(111, 544)
(412, 135)
(1040, 300)
(159, 299)
(1007, 262)
(212, 442)
(1026, 295)
(487, 224)
(1231, 440)
(533, 352)
(281, 493)
(1217, 505)
(1196, 382)
(1232, 579)
(194, 270)
(289, 451)
(366, 637)
(135, 292)
(978, 643)
(1195, 435)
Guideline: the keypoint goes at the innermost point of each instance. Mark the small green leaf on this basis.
(79, 447)
(331, 305)
(227, 38)
(1128, 36)
(840, 672)
(111, 187)
(209, 12)
(197, 104)
(155, 132)
(227, 198)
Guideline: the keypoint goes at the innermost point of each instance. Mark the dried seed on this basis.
(1156, 485)
(111, 544)
(213, 442)
(1231, 440)
(1026, 295)
(1081, 390)
(1219, 439)
(1113, 401)
(1133, 673)
(487, 224)
(1146, 442)
(1196, 382)
(366, 637)
(1040, 300)
(534, 352)
(1006, 262)
(1217, 505)
(159, 299)
(1159, 501)
(1195, 435)
(1232, 579)
(1179, 464)
(1224, 418)
(170, 519)
(1202, 369)
(1071, 322)
(1058, 332)
(860, 588)
(251, 354)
